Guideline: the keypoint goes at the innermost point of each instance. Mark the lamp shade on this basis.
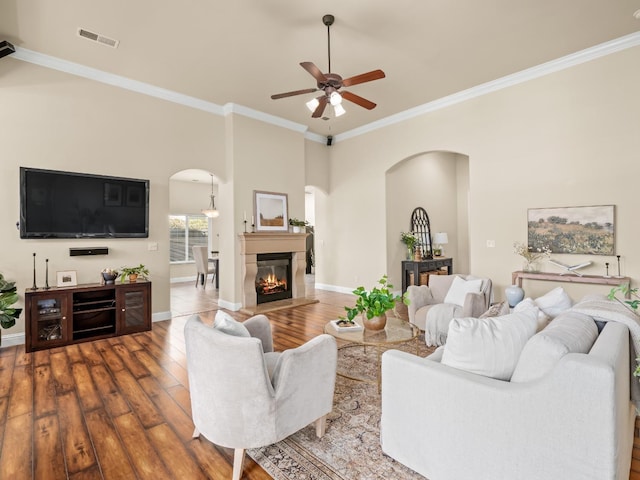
(440, 238)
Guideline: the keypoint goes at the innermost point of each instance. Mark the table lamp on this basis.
(439, 238)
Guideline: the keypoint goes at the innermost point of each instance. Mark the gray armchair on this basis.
(428, 310)
(244, 395)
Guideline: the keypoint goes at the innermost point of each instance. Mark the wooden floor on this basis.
(120, 408)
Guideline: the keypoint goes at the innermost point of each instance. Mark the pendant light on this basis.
(211, 212)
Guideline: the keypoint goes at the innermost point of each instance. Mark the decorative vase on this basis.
(296, 229)
(133, 277)
(514, 295)
(109, 278)
(531, 267)
(409, 253)
(376, 323)
(417, 255)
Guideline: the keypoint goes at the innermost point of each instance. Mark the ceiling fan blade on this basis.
(314, 71)
(363, 102)
(291, 94)
(363, 77)
(320, 108)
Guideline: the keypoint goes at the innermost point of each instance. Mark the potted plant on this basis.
(297, 224)
(411, 240)
(8, 296)
(373, 305)
(631, 303)
(132, 273)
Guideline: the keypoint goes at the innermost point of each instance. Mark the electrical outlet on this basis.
(491, 244)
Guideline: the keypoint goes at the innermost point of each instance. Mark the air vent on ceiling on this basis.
(96, 37)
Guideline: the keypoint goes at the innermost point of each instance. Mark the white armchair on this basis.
(243, 395)
(432, 307)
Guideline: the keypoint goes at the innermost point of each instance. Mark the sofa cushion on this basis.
(489, 346)
(543, 318)
(555, 302)
(496, 310)
(459, 289)
(225, 323)
(570, 332)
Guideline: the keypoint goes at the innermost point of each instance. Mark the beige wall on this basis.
(430, 181)
(54, 120)
(566, 139)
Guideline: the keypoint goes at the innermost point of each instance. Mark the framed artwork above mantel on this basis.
(271, 211)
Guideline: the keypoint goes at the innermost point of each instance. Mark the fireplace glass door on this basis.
(273, 280)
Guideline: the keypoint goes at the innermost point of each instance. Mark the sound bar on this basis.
(75, 252)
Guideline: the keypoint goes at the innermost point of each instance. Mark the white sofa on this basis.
(574, 422)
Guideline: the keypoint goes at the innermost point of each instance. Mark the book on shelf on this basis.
(346, 327)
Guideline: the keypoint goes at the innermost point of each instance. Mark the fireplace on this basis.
(254, 245)
(273, 278)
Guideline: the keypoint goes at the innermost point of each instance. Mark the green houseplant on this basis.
(373, 305)
(297, 225)
(133, 273)
(631, 303)
(8, 296)
(411, 240)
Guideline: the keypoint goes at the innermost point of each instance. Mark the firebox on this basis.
(273, 280)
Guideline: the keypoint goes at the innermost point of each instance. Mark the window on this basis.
(186, 231)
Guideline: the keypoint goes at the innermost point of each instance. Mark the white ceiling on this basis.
(243, 51)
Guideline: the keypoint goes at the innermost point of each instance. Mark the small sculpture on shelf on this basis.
(109, 276)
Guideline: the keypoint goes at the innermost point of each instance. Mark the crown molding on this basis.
(568, 61)
(583, 56)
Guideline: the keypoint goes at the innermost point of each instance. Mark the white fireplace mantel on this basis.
(252, 244)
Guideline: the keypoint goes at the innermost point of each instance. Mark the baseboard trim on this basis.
(160, 316)
(234, 307)
(183, 279)
(334, 288)
(12, 339)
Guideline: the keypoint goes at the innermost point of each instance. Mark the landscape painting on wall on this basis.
(583, 230)
(270, 211)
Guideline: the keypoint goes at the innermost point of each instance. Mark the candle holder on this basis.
(245, 226)
(34, 286)
(46, 274)
(618, 276)
(607, 267)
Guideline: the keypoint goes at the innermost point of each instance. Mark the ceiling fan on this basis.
(330, 84)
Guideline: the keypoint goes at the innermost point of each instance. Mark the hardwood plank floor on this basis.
(119, 408)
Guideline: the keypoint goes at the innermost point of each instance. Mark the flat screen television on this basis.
(56, 204)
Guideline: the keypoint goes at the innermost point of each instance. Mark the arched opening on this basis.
(190, 193)
(437, 181)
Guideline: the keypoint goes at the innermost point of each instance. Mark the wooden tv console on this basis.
(60, 316)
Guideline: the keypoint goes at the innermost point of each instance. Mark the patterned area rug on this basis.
(350, 448)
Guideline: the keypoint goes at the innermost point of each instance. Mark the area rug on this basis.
(350, 448)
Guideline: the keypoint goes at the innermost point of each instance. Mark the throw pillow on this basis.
(489, 346)
(225, 323)
(554, 302)
(496, 310)
(570, 332)
(459, 289)
(528, 303)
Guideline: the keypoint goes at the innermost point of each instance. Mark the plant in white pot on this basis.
(297, 225)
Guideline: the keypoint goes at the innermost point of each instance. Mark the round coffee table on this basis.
(396, 332)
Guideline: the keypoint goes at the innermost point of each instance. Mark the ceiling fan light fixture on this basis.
(338, 110)
(312, 104)
(335, 98)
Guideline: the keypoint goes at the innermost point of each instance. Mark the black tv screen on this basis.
(57, 204)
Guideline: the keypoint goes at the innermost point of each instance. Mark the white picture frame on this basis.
(271, 211)
(66, 278)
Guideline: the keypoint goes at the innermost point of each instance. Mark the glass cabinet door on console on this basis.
(134, 307)
(50, 320)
